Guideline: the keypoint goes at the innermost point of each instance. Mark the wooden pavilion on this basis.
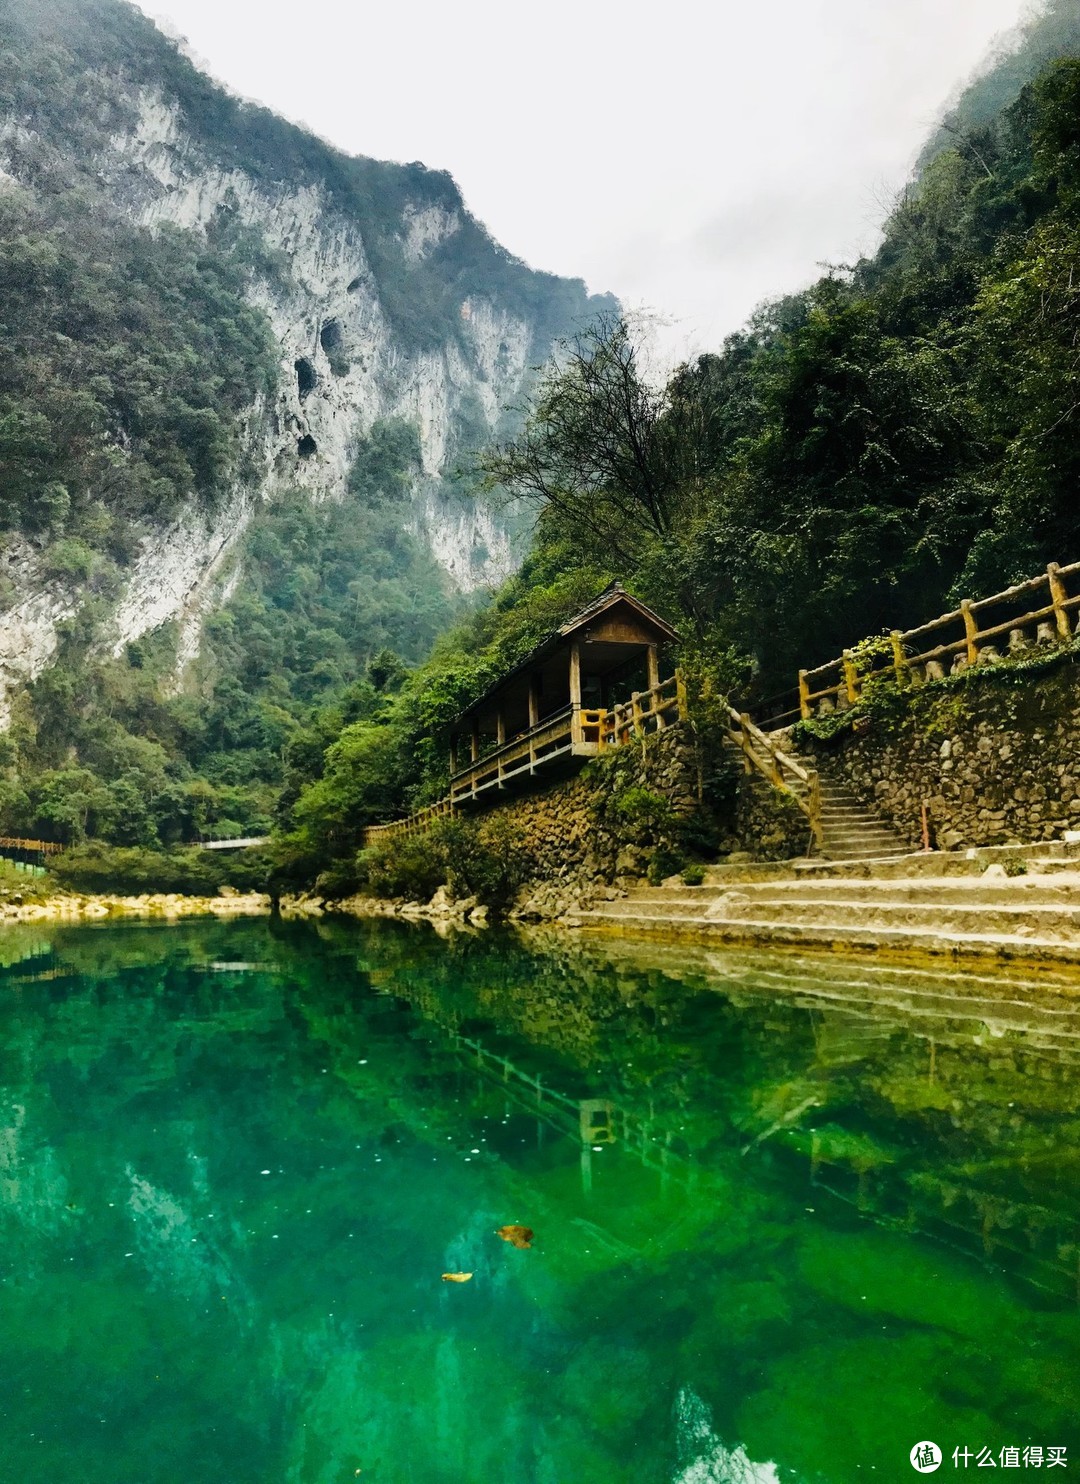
(592, 684)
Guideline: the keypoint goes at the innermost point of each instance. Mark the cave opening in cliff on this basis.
(330, 336)
(306, 379)
(354, 285)
(307, 446)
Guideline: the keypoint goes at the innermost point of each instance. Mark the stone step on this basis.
(1035, 921)
(867, 854)
(909, 940)
(842, 901)
(964, 891)
(867, 835)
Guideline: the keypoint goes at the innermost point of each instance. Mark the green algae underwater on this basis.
(791, 1217)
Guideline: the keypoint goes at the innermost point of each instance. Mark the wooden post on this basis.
(500, 739)
(804, 696)
(575, 691)
(534, 718)
(898, 659)
(971, 630)
(453, 753)
(851, 677)
(653, 654)
(1058, 596)
(680, 693)
(474, 740)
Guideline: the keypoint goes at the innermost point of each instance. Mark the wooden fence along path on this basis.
(29, 847)
(966, 636)
(761, 754)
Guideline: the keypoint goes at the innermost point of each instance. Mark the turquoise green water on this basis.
(789, 1221)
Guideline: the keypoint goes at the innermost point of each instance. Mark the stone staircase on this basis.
(850, 831)
(934, 905)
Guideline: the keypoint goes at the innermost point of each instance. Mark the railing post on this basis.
(851, 677)
(804, 696)
(1058, 596)
(898, 659)
(971, 630)
(680, 696)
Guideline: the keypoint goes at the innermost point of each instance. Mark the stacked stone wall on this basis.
(996, 762)
(580, 848)
(576, 845)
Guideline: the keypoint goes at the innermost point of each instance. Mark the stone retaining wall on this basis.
(995, 763)
(581, 847)
(577, 844)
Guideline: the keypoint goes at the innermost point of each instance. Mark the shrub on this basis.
(693, 875)
(645, 812)
(484, 860)
(662, 864)
(407, 866)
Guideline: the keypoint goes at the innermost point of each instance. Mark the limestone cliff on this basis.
(385, 299)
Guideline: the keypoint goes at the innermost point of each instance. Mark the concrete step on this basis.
(906, 940)
(962, 891)
(1034, 917)
(1047, 911)
(859, 838)
(1043, 922)
(869, 856)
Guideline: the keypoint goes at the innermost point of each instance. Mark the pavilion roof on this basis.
(612, 597)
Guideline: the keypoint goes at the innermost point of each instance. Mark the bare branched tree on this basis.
(592, 451)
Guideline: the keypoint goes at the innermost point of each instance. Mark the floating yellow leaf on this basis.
(517, 1236)
(456, 1277)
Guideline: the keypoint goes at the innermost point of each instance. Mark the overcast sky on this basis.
(692, 156)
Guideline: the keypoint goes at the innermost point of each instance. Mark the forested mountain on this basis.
(242, 375)
(239, 372)
(902, 433)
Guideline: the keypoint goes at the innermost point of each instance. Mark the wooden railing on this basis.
(582, 731)
(32, 847)
(650, 711)
(413, 825)
(966, 636)
(784, 772)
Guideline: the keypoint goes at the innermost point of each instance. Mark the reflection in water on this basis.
(791, 1216)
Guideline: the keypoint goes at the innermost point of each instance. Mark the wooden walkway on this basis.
(574, 732)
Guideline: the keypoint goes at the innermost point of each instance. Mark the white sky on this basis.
(692, 157)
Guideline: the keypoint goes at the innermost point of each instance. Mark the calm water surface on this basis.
(790, 1220)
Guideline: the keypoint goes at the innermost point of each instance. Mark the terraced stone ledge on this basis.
(972, 910)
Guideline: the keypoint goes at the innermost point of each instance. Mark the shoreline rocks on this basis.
(74, 907)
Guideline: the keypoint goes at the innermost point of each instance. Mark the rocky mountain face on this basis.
(385, 299)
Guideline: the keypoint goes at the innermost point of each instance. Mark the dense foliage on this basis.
(126, 362)
(899, 434)
(902, 433)
(108, 748)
